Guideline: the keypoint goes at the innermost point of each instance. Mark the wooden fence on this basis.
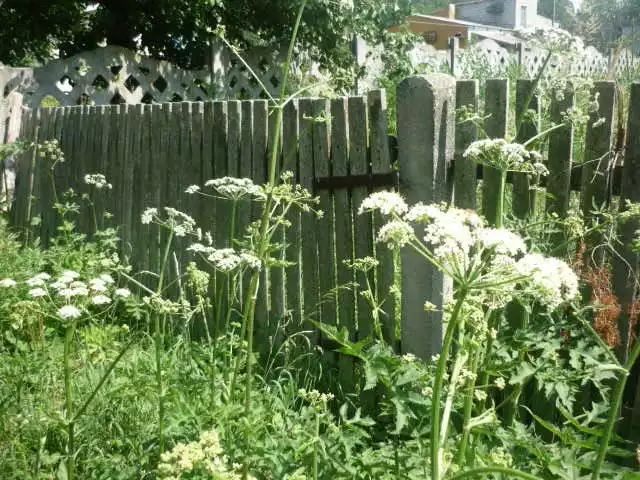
(151, 153)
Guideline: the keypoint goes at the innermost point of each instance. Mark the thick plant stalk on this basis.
(512, 406)
(613, 411)
(468, 407)
(159, 348)
(264, 235)
(68, 393)
(437, 387)
(500, 205)
(483, 471)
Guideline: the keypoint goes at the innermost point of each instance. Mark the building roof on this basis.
(434, 19)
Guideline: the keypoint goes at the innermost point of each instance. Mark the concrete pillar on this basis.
(426, 122)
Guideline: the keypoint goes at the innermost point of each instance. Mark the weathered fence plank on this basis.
(597, 167)
(560, 162)
(381, 164)
(524, 198)
(465, 180)
(362, 224)
(344, 235)
(324, 225)
(495, 126)
(308, 231)
(291, 132)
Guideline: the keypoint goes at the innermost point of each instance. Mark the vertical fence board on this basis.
(290, 135)
(362, 224)
(495, 126)
(381, 164)
(20, 205)
(45, 189)
(465, 179)
(308, 231)
(625, 269)
(524, 198)
(154, 176)
(560, 163)
(344, 236)
(130, 157)
(426, 109)
(324, 225)
(259, 176)
(277, 274)
(209, 127)
(246, 163)
(142, 186)
(596, 168)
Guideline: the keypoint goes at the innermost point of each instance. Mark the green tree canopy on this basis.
(180, 31)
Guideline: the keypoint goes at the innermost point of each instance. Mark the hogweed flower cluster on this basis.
(506, 157)
(457, 242)
(98, 180)
(226, 259)
(71, 296)
(179, 222)
(233, 188)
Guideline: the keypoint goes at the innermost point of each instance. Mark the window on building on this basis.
(523, 16)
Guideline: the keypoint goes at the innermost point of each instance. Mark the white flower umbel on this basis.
(98, 180)
(148, 215)
(550, 282)
(7, 283)
(191, 189)
(395, 233)
(69, 312)
(227, 259)
(386, 203)
(501, 241)
(100, 300)
(506, 157)
(122, 292)
(37, 292)
(234, 188)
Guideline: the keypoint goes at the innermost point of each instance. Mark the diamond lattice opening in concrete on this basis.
(100, 83)
(131, 83)
(160, 84)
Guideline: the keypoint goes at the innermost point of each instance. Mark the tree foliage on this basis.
(181, 31)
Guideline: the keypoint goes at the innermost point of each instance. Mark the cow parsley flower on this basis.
(506, 157)
(191, 189)
(550, 281)
(148, 215)
(8, 283)
(122, 292)
(100, 300)
(227, 259)
(98, 180)
(395, 233)
(387, 203)
(37, 292)
(69, 312)
(501, 241)
(234, 188)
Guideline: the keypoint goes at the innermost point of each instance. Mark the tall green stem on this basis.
(507, 472)
(500, 205)
(468, 407)
(264, 236)
(159, 346)
(512, 407)
(68, 393)
(613, 411)
(437, 387)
